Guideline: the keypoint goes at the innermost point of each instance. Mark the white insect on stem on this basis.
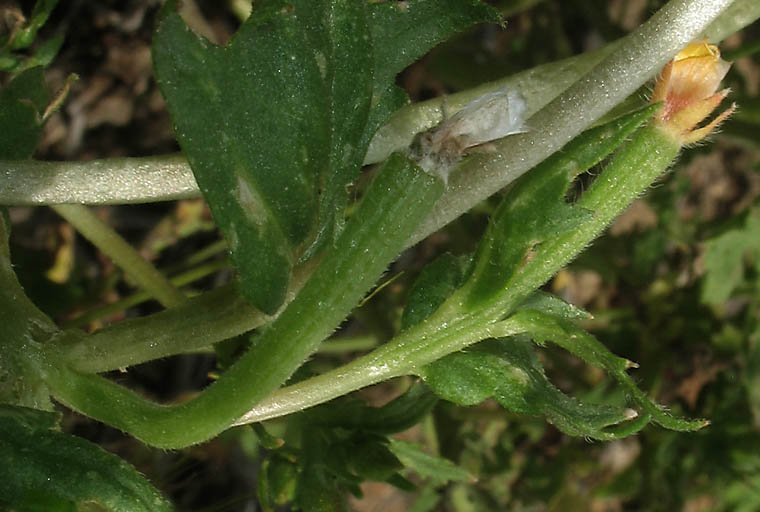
(489, 117)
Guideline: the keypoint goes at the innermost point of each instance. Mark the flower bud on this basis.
(687, 86)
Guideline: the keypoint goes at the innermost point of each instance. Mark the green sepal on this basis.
(342, 443)
(535, 209)
(39, 464)
(318, 489)
(553, 305)
(368, 457)
(277, 482)
(433, 286)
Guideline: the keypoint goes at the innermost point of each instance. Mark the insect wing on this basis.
(489, 117)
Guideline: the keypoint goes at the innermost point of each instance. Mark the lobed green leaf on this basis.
(252, 119)
(276, 123)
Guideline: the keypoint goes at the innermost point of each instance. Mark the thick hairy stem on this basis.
(637, 165)
(399, 197)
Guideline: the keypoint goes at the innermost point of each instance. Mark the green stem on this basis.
(106, 181)
(178, 281)
(399, 197)
(409, 350)
(634, 168)
(201, 321)
(346, 345)
(124, 255)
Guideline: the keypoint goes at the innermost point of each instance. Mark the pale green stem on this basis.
(200, 322)
(124, 255)
(373, 368)
(108, 181)
(179, 281)
(141, 180)
(739, 15)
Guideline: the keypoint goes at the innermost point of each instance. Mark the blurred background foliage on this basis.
(673, 285)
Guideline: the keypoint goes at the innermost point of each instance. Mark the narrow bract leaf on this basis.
(553, 305)
(509, 372)
(40, 465)
(544, 328)
(40, 14)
